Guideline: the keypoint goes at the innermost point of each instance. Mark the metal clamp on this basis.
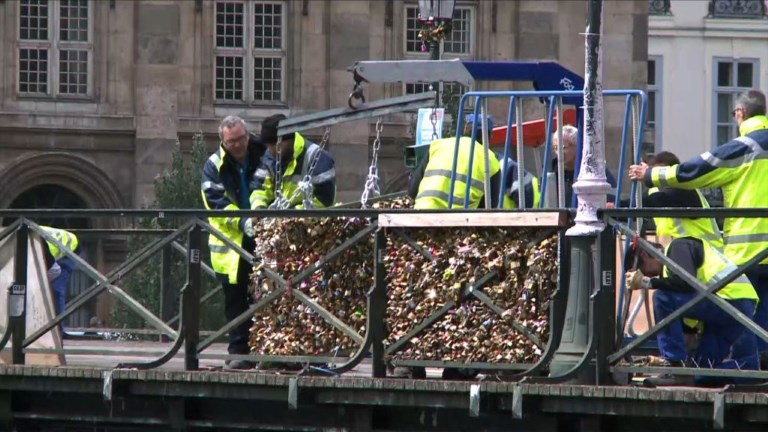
(293, 393)
(718, 414)
(517, 402)
(474, 400)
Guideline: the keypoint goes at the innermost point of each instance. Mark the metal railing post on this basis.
(169, 292)
(191, 313)
(379, 305)
(17, 300)
(606, 305)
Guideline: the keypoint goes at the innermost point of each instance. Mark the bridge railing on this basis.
(381, 230)
(193, 226)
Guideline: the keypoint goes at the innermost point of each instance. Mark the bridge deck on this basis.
(89, 389)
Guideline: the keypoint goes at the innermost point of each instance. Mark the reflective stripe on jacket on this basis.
(68, 239)
(738, 167)
(323, 177)
(716, 267)
(435, 186)
(532, 193)
(221, 188)
(705, 229)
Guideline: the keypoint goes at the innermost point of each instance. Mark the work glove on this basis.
(636, 280)
(248, 228)
(54, 272)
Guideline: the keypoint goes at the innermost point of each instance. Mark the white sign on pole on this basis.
(425, 132)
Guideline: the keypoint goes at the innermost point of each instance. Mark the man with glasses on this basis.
(228, 183)
(739, 168)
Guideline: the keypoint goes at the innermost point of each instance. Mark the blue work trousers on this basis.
(61, 283)
(720, 329)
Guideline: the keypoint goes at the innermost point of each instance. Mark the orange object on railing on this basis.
(534, 131)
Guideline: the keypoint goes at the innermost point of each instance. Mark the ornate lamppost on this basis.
(591, 188)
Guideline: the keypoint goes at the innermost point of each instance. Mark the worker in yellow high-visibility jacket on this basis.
(738, 167)
(720, 331)
(60, 265)
(228, 183)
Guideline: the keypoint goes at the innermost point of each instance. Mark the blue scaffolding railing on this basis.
(635, 114)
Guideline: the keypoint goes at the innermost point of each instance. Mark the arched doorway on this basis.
(50, 196)
(55, 179)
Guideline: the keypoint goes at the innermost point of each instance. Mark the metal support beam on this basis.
(10, 229)
(606, 305)
(191, 312)
(168, 291)
(17, 300)
(364, 111)
(413, 71)
(378, 305)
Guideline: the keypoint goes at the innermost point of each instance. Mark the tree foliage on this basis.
(176, 188)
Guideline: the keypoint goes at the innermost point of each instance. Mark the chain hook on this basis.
(372, 181)
(357, 93)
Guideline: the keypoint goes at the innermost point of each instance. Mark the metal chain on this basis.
(372, 181)
(305, 185)
(278, 202)
(433, 120)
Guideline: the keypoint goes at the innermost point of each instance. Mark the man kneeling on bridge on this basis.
(721, 330)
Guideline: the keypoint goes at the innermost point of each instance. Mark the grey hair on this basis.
(230, 122)
(752, 102)
(570, 133)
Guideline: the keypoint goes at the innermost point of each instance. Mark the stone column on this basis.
(349, 41)
(156, 76)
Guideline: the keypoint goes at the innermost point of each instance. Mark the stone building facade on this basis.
(727, 41)
(94, 94)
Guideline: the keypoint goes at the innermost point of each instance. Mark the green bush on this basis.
(177, 188)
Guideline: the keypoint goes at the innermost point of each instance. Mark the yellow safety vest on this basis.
(435, 186)
(741, 175)
(224, 259)
(509, 203)
(715, 267)
(261, 198)
(66, 238)
(702, 228)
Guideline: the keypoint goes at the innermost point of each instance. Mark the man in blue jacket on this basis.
(228, 183)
